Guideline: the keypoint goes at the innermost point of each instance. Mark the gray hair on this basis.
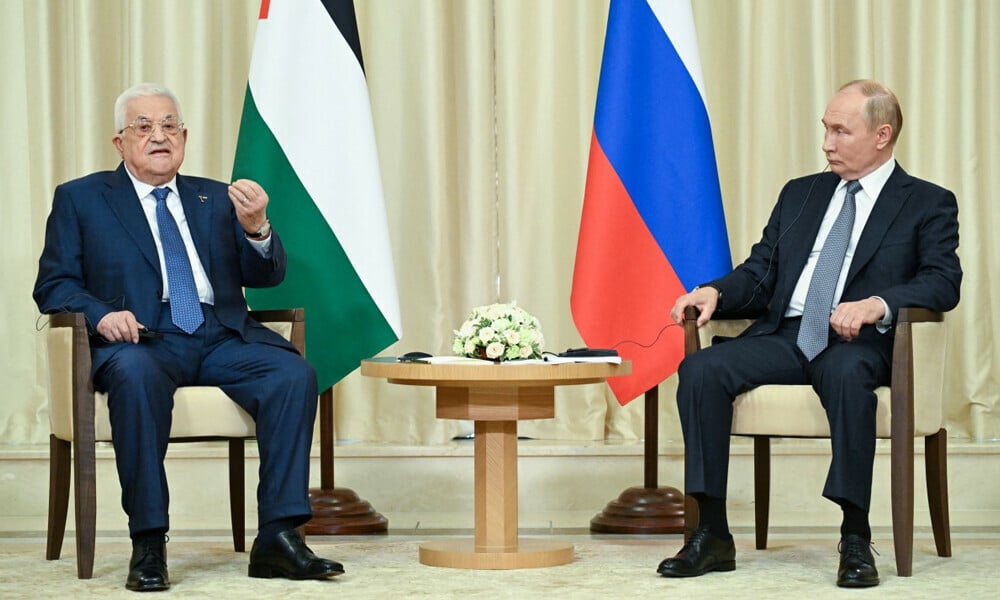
(138, 91)
(881, 106)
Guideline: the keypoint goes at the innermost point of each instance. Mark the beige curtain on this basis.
(483, 111)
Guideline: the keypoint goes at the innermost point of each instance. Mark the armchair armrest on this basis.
(293, 318)
(696, 338)
(917, 371)
(917, 364)
(72, 408)
(79, 388)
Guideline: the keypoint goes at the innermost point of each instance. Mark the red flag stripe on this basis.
(623, 285)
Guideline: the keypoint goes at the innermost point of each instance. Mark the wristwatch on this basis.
(263, 232)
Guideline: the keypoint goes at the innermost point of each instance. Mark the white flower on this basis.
(494, 350)
(468, 328)
(500, 332)
(486, 334)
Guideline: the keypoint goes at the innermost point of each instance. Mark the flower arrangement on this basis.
(499, 332)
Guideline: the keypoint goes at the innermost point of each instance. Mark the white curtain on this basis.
(483, 111)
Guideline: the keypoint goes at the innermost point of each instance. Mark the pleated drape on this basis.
(483, 112)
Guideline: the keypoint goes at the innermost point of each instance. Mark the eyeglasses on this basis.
(143, 127)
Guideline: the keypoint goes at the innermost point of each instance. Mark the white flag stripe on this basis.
(326, 132)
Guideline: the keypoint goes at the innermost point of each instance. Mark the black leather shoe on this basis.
(288, 556)
(147, 569)
(857, 565)
(703, 552)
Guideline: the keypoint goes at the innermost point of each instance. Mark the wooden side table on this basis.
(495, 397)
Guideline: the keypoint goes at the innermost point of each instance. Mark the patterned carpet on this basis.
(795, 566)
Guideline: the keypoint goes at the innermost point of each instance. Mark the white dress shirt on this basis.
(871, 187)
(144, 191)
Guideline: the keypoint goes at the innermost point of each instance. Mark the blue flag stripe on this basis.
(654, 127)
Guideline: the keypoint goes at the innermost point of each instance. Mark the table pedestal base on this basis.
(462, 554)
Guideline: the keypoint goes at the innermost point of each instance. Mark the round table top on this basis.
(485, 372)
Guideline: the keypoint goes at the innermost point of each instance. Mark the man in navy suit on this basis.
(105, 257)
(900, 252)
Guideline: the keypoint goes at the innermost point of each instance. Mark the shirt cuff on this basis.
(263, 247)
(884, 324)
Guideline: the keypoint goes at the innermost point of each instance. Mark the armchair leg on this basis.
(59, 469)
(237, 500)
(761, 488)
(936, 463)
(85, 466)
(901, 459)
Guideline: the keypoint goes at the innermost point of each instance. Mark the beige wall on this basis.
(478, 216)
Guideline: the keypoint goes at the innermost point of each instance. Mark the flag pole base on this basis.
(340, 511)
(337, 511)
(641, 510)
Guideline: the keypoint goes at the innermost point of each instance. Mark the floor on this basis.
(797, 564)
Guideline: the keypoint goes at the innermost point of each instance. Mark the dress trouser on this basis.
(844, 376)
(277, 387)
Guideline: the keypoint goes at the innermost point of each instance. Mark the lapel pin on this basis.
(202, 198)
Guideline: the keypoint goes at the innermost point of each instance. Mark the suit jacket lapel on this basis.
(816, 203)
(198, 211)
(125, 205)
(890, 201)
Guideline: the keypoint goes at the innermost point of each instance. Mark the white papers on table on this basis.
(556, 359)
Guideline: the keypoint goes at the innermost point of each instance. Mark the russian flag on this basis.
(652, 225)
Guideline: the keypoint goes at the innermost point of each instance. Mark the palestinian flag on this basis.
(307, 137)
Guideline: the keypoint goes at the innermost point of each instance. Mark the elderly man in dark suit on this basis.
(145, 248)
(841, 253)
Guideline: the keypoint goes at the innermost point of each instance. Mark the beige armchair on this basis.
(79, 417)
(912, 406)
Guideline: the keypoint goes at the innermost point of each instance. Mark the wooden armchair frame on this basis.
(902, 432)
(83, 445)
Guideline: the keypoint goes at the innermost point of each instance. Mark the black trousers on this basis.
(276, 386)
(844, 376)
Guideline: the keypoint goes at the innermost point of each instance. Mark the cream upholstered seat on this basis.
(912, 406)
(79, 417)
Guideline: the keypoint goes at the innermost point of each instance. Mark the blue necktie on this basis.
(814, 329)
(185, 309)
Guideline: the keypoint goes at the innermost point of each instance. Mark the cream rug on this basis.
(606, 567)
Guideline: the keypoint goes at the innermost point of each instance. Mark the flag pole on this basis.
(650, 508)
(337, 511)
(647, 179)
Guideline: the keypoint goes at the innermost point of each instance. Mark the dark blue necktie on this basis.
(814, 329)
(185, 309)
